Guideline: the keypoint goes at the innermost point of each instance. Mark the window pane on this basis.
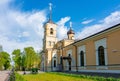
(101, 57)
(54, 63)
(82, 58)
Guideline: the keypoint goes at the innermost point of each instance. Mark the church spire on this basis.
(70, 25)
(50, 8)
(50, 14)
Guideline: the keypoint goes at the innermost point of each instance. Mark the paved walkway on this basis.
(101, 71)
(107, 74)
(4, 75)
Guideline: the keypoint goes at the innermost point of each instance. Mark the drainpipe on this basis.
(45, 61)
(51, 60)
(61, 51)
(62, 59)
(76, 57)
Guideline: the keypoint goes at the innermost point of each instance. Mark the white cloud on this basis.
(112, 19)
(88, 21)
(20, 29)
(26, 34)
(62, 29)
(4, 2)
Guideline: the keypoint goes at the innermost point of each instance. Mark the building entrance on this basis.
(69, 59)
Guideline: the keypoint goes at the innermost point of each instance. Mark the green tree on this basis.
(4, 60)
(24, 62)
(26, 59)
(32, 59)
(17, 59)
(38, 59)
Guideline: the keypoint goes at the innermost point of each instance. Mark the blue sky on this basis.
(21, 21)
(78, 10)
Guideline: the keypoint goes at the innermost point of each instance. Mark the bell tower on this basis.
(50, 38)
(49, 41)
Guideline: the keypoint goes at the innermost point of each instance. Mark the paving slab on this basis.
(4, 75)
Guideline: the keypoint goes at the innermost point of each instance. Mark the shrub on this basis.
(34, 70)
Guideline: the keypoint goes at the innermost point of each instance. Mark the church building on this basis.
(100, 51)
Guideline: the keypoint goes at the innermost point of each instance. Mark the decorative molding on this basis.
(98, 43)
(82, 48)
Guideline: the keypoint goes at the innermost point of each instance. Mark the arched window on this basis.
(54, 63)
(101, 56)
(82, 58)
(51, 31)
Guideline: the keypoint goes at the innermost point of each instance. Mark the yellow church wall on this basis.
(90, 53)
(113, 49)
(67, 42)
(71, 36)
(73, 58)
(49, 55)
(90, 56)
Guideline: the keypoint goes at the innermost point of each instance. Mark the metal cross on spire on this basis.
(70, 25)
(50, 8)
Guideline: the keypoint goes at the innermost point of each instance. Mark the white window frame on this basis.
(98, 43)
(81, 48)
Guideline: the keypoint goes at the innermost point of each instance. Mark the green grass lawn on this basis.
(52, 77)
(60, 77)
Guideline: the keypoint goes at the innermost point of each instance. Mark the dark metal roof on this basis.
(50, 21)
(70, 31)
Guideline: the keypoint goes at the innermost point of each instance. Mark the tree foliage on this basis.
(4, 60)
(26, 59)
(32, 58)
(17, 58)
